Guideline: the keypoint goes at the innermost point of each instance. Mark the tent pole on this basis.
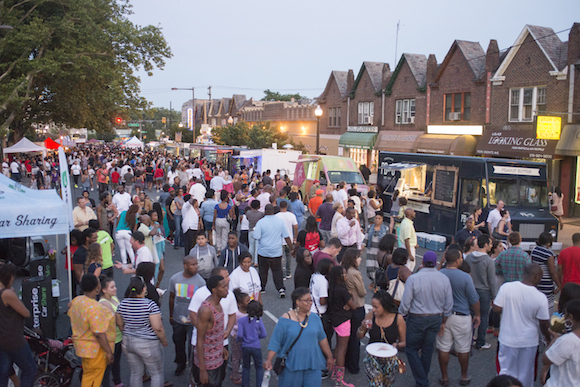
(69, 261)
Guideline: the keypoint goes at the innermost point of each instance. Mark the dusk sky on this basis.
(241, 47)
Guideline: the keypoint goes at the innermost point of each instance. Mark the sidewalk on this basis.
(571, 227)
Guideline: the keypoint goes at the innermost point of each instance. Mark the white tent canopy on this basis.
(133, 142)
(24, 146)
(26, 212)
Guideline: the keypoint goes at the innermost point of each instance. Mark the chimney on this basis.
(492, 56)
(386, 75)
(349, 81)
(431, 69)
(574, 44)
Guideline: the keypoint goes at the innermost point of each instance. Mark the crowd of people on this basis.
(235, 229)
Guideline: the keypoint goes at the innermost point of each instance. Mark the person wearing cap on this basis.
(142, 253)
(427, 302)
(315, 187)
(315, 202)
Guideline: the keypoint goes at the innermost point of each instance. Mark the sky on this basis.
(243, 47)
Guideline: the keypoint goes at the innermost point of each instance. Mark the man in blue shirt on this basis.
(269, 233)
(206, 212)
(457, 331)
(427, 302)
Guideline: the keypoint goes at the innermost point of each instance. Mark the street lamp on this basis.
(230, 121)
(192, 107)
(318, 114)
(140, 138)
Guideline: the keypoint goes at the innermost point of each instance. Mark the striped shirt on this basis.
(540, 255)
(135, 313)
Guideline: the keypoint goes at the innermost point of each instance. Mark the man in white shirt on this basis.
(349, 233)
(523, 308)
(197, 191)
(197, 172)
(264, 197)
(292, 225)
(142, 253)
(341, 195)
(122, 199)
(229, 306)
(15, 170)
(189, 223)
(494, 217)
(5, 168)
(217, 183)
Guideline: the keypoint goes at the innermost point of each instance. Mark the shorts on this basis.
(458, 334)
(149, 179)
(343, 330)
(139, 184)
(159, 179)
(207, 225)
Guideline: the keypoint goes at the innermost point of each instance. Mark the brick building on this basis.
(334, 104)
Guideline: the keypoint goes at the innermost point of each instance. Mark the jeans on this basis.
(485, 306)
(16, 176)
(22, 357)
(181, 337)
(255, 353)
(123, 239)
(143, 353)
(275, 263)
(253, 247)
(288, 259)
(352, 357)
(421, 335)
(114, 368)
(326, 235)
(178, 241)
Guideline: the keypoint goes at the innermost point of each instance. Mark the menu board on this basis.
(445, 186)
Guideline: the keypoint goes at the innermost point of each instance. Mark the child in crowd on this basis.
(243, 299)
(250, 330)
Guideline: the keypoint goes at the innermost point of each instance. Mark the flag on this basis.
(65, 185)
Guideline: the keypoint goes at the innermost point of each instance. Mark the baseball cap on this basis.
(430, 257)
(319, 192)
(316, 181)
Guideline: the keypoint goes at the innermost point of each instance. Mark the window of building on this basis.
(334, 117)
(457, 107)
(366, 112)
(527, 102)
(405, 111)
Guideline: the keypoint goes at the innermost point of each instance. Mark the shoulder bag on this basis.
(396, 288)
(280, 362)
(381, 275)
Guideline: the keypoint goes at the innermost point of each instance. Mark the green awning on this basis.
(358, 140)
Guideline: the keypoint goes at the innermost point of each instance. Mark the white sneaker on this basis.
(485, 346)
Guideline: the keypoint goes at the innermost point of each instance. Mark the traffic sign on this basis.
(133, 124)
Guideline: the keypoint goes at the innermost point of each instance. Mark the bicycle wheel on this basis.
(46, 380)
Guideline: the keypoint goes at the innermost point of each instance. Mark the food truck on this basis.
(328, 170)
(445, 190)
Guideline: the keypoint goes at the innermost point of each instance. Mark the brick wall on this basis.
(365, 92)
(332, 99)
(529, 67)
(405, 87)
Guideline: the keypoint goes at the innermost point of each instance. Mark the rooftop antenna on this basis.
(397, 41)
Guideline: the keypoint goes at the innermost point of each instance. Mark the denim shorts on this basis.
(207, 225)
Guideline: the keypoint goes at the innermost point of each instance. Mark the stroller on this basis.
(56, 360)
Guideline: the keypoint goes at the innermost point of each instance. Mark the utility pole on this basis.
(209, 92)
(170, 114)
(396, 42)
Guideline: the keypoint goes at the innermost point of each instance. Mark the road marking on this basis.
(274, 318)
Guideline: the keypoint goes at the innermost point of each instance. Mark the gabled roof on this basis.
(375, 72)
(549, 43)
(473, 54)
(340, 78)
(225, 107)
(417, 64)
(238, 102)
(215, 107)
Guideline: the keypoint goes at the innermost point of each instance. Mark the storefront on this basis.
(456, 140)
(568, 147)
(358, 143)
(397, 141)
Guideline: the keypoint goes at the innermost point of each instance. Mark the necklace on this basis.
(304, 323)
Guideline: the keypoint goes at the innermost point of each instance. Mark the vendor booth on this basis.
(24, 146)
(133, 142)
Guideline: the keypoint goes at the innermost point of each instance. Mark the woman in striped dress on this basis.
(542, 255)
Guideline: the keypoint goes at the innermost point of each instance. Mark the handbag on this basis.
(395, 290)
(554, 208)
(381, 275)
(280, 362)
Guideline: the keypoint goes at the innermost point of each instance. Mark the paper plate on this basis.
(381, 350)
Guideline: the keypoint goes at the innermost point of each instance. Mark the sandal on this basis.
(444, 382)
(465, 382)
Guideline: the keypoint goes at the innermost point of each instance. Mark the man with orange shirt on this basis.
(569, 262)
(315, 202)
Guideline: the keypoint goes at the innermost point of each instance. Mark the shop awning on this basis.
(569, 143)
(397, 140)
(512, 143)
(357, 140)
(463, 145)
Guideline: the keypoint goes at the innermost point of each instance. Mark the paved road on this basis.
(482, 363)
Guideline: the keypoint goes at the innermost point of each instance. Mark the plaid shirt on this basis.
(511, 264)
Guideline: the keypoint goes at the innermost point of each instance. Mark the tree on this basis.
(72, 63)
(258, 136)
(275, 96)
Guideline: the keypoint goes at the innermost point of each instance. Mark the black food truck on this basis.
(445, 190)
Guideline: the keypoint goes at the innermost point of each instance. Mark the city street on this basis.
(481, 367)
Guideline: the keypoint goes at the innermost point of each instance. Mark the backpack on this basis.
(312, 241)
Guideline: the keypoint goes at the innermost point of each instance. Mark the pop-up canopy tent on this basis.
(25, 212)
(133, 142)
(24, 146)
(49, 143)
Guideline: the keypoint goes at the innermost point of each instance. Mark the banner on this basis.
(65, 186)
